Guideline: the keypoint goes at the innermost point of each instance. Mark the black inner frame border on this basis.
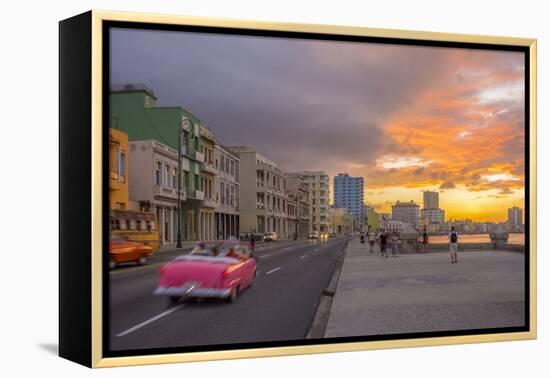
(107, 25)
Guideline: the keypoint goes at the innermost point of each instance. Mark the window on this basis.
(166, 175)
(174, 177)
(223, 163)
(232, 168)
(158, 172)
(122, 167)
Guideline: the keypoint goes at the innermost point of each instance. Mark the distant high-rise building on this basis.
(406, 212)
(431, 200)
(433, 215)
(348, 194)
(515, 216)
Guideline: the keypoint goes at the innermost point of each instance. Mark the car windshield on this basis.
(217, 248)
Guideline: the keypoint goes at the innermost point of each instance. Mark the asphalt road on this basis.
(280, 305)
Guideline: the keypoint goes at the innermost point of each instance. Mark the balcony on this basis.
(199, 195)
(209, 168)
(199, 156)
(168, 192)
(210, 202)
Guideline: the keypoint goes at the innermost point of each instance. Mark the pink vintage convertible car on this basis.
(214, 269)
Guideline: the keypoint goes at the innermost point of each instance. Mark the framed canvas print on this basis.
(234, 189)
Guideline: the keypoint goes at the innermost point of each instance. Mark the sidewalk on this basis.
(425, 292)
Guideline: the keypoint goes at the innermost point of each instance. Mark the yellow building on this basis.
(118, 168)
(341, 221)
(136, 225)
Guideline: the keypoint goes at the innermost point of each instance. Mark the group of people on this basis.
(384, 238)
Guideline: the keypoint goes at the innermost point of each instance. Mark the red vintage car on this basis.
(122, 250)
(219, 269)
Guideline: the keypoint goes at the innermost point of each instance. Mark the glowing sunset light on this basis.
(500, 177)
(401, 162)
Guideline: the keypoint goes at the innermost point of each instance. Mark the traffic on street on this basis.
(279, 303)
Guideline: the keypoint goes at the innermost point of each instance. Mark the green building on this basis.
(133, 110)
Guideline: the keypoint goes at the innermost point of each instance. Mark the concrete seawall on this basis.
(475, 247)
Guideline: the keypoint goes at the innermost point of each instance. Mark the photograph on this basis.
(285, 189)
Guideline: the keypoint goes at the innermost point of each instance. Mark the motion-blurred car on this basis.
(220, 269)
(270, 236)
(122, 250)
(314, 235)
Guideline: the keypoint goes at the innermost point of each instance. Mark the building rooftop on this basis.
(132, 87)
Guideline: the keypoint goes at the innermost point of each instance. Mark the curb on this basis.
(320, 320)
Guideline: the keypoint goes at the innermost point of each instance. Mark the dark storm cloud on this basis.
(304, 104)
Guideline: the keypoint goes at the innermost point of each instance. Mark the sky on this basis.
(406, 118)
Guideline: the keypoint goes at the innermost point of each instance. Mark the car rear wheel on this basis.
(142, 260)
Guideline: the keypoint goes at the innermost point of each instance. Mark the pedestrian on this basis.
(252, 242)
(424, 240)
(383, 243)
(394, 244)
(372, 238)
(453, 245)
(362, 237)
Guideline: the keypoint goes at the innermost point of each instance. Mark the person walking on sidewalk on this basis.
(453, 245)
(424, 240)
(394, 240)
(252, 242)
(362, 237)
(383, 237)
(372, 238)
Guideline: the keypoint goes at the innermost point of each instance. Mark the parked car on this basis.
(324, 235)
(246, 236)
(219, 269)
(270, 236)
(314, 235)
(122, 250)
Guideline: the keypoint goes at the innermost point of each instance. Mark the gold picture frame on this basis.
(86, 331)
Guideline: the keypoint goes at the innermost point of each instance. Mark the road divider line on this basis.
(303, 257)
(273, 270)
(149, 321)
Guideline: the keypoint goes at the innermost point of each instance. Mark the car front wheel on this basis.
(233, 295)
(173, 300)
(142, 261)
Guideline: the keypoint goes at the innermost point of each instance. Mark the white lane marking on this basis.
(273, 270)
(317, 250)
(143, 324)
(303, 257)
(265, 255)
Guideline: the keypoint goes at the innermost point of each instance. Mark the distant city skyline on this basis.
(406, 118)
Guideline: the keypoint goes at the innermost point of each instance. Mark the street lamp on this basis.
(184, 122)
